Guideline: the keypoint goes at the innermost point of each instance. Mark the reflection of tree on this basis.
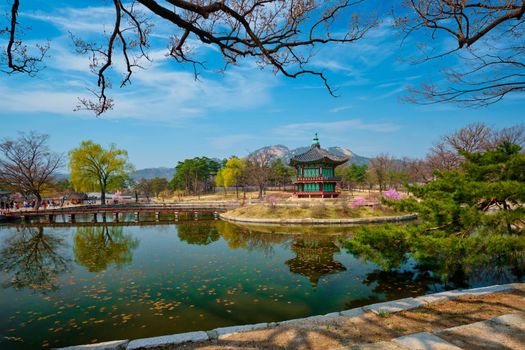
(481, 259)
(314, 258)
(458, 261)
(385, 246)
(98, 247)
(33, 259)
(197, 233)
(251, 239)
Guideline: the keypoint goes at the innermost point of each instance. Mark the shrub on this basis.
(358, 202)
(392, 194)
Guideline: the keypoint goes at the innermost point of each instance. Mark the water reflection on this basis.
(198, 233)
(453, 261)
(33, 259)
(206, 274)
(98, 247)
(240, 237)
(314, 258)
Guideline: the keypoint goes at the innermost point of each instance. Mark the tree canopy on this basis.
(94, 168)
(467, 218)
(195, 175)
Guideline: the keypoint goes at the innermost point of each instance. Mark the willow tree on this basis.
(94, 168)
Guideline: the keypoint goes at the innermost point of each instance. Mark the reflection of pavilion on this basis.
(314, 259)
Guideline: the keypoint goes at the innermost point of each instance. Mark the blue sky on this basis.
(166, 116)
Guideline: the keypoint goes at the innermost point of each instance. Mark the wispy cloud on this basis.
(340, 109)
(302, 130)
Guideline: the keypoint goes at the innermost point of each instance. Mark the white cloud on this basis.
(302, 130)
(157, 94)
(339, 109)
(92, 19)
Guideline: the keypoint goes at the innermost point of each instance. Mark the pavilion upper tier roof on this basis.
(317, 154)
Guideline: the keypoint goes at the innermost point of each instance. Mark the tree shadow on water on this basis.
(33, 259)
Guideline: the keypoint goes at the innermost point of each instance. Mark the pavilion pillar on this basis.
(176, 216)
(116, 216)
(157, 216)
(72, 218)
(215, 215)
(95, 217)
(196, 214)
(137, 216)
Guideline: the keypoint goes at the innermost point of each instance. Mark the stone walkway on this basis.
(503, 332)
(480, 318)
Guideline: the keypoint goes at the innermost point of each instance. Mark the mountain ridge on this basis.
(284, 153)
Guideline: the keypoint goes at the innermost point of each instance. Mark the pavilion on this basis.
(315, 172)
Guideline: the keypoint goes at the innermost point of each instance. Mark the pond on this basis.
(96, 282)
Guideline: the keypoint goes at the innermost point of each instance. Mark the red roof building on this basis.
(315, 172)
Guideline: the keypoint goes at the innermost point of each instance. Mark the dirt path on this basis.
(371, 328)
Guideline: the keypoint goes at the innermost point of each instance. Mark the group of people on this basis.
(16, 205)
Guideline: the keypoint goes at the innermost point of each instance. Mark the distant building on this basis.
(77, 197)
(315, 172)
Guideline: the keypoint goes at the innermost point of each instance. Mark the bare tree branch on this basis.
(490, 33)
(281, 34)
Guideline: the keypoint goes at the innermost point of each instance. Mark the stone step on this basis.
(503, 332)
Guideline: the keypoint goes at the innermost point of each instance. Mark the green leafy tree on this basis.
(233, 173)
(471, 221)
(219, 181)
(94, 168)
(281, 172)
(195, 175)
(486, 196)
(158, 185)
(355, 175)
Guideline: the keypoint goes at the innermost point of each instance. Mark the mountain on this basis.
(284, 153)
(150, 173)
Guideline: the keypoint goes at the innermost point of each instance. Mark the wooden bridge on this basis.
(116, 212)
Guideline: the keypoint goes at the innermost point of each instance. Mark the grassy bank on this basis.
(314, 211)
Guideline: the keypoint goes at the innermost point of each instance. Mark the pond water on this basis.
(96, 282)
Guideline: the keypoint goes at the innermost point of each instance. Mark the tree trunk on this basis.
(261, 188)
(38, 201)
(102, 193)
(136, 197)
